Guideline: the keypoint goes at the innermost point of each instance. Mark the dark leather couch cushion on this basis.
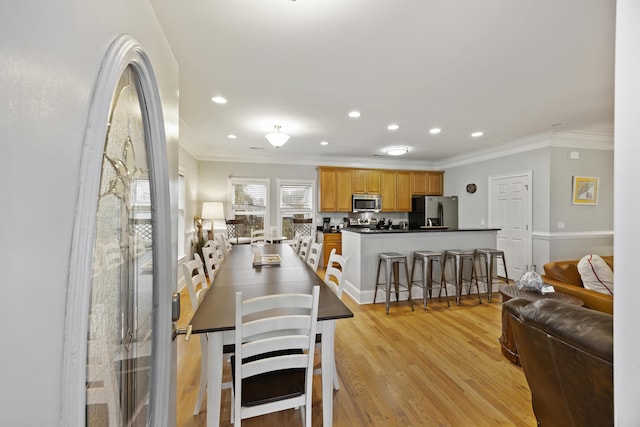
(588, 330)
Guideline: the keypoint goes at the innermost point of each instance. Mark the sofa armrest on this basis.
(592, 299)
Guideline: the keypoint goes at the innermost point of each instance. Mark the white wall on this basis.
(50, 54)
(627, 212)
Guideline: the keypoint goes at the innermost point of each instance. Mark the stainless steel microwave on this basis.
(366, 203)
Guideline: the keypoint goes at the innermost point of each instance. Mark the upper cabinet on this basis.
(395, 190)
(337, 185)
(427, 183)
(365, 181)
(335, 189)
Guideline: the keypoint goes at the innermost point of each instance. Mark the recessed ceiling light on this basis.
(435, 131)
(393, 127)
(396, 151)
(354, 114)
(324, 143)
(231, 136)
(219, 100)
(477, 134)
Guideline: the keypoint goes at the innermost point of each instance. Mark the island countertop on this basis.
(363, 247)
(364, 230)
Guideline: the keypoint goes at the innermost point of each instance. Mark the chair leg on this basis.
(406, 275)
(375, 292)
(388, 284)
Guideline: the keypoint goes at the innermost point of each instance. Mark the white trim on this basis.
(123, 52)
(266, 181)
(279, 183)
(574, 235)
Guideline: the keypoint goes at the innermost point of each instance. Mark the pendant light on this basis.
(277, 138)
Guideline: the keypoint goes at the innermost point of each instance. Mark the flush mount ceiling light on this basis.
(477, 134)
(219, 100)
(396, 151)
(354, 114)
(324, 143)
(277, 138)
(393, 127)
(435, 131)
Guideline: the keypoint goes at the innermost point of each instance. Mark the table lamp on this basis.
(212, 211)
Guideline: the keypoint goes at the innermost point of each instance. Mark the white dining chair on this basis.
(305, 243)
(211, 261)
(334, 279)
(273, 364)
(197, 288)
(313, 259)
(258, 237)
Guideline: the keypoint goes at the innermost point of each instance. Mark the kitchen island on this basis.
(362, 246)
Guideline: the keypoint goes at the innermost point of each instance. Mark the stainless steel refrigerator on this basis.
(436, 211)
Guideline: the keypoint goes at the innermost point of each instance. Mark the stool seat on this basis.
(427, 258)
(459, 257)
(391, 262)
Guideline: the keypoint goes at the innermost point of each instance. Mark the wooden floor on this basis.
(439, 367)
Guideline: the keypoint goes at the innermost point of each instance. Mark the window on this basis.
(295, 201)
(250, 201)
(181, 224)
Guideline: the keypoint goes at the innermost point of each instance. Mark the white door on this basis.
(119, 362)
(510, 210)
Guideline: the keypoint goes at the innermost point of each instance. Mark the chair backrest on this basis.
(225, 244)
(334, 276)
(313, 259)
(274, 338)
(302, 226)
(296, 243)
(258, 236)
(272, 234)
(211, 261)
(195, 279)
(305, 243)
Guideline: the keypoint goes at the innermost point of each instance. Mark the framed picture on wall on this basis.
(585, 190)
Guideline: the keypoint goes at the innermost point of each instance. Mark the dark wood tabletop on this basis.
(217, 310)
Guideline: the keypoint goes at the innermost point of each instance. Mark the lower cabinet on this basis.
(331, 241)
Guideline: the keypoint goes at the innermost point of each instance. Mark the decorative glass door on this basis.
(120, 334)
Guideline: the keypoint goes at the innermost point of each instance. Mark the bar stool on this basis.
(389, 260)
(490, 256)
(460, 257)
(427, 258)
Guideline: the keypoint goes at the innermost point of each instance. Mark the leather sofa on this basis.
(566, 352)
(565, 278)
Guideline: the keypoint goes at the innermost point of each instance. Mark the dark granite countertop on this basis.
(422, 230)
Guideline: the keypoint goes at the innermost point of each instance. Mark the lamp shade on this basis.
(212, 210)
(277, 138)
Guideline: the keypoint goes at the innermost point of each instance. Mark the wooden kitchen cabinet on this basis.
(435, 184)
(331, 241)
(388, 190)
(365, 181)
(403, 191)
(335, 189)
(426, 183)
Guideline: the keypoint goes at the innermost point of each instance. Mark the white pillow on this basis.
(596, 274)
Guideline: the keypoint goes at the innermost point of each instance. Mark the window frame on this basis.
(311, 183)
(244, 181)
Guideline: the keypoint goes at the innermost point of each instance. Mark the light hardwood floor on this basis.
(439, 367)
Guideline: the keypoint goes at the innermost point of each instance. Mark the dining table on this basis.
(215, 315)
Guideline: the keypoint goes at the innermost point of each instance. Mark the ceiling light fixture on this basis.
(393, 127)
(219, 100)
(396, 151)
(231, 136)
(477, 134)
(354, 114)
(435, 131)
(324, 143)
(277, 138)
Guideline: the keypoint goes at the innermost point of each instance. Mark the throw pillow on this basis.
(596, 274)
